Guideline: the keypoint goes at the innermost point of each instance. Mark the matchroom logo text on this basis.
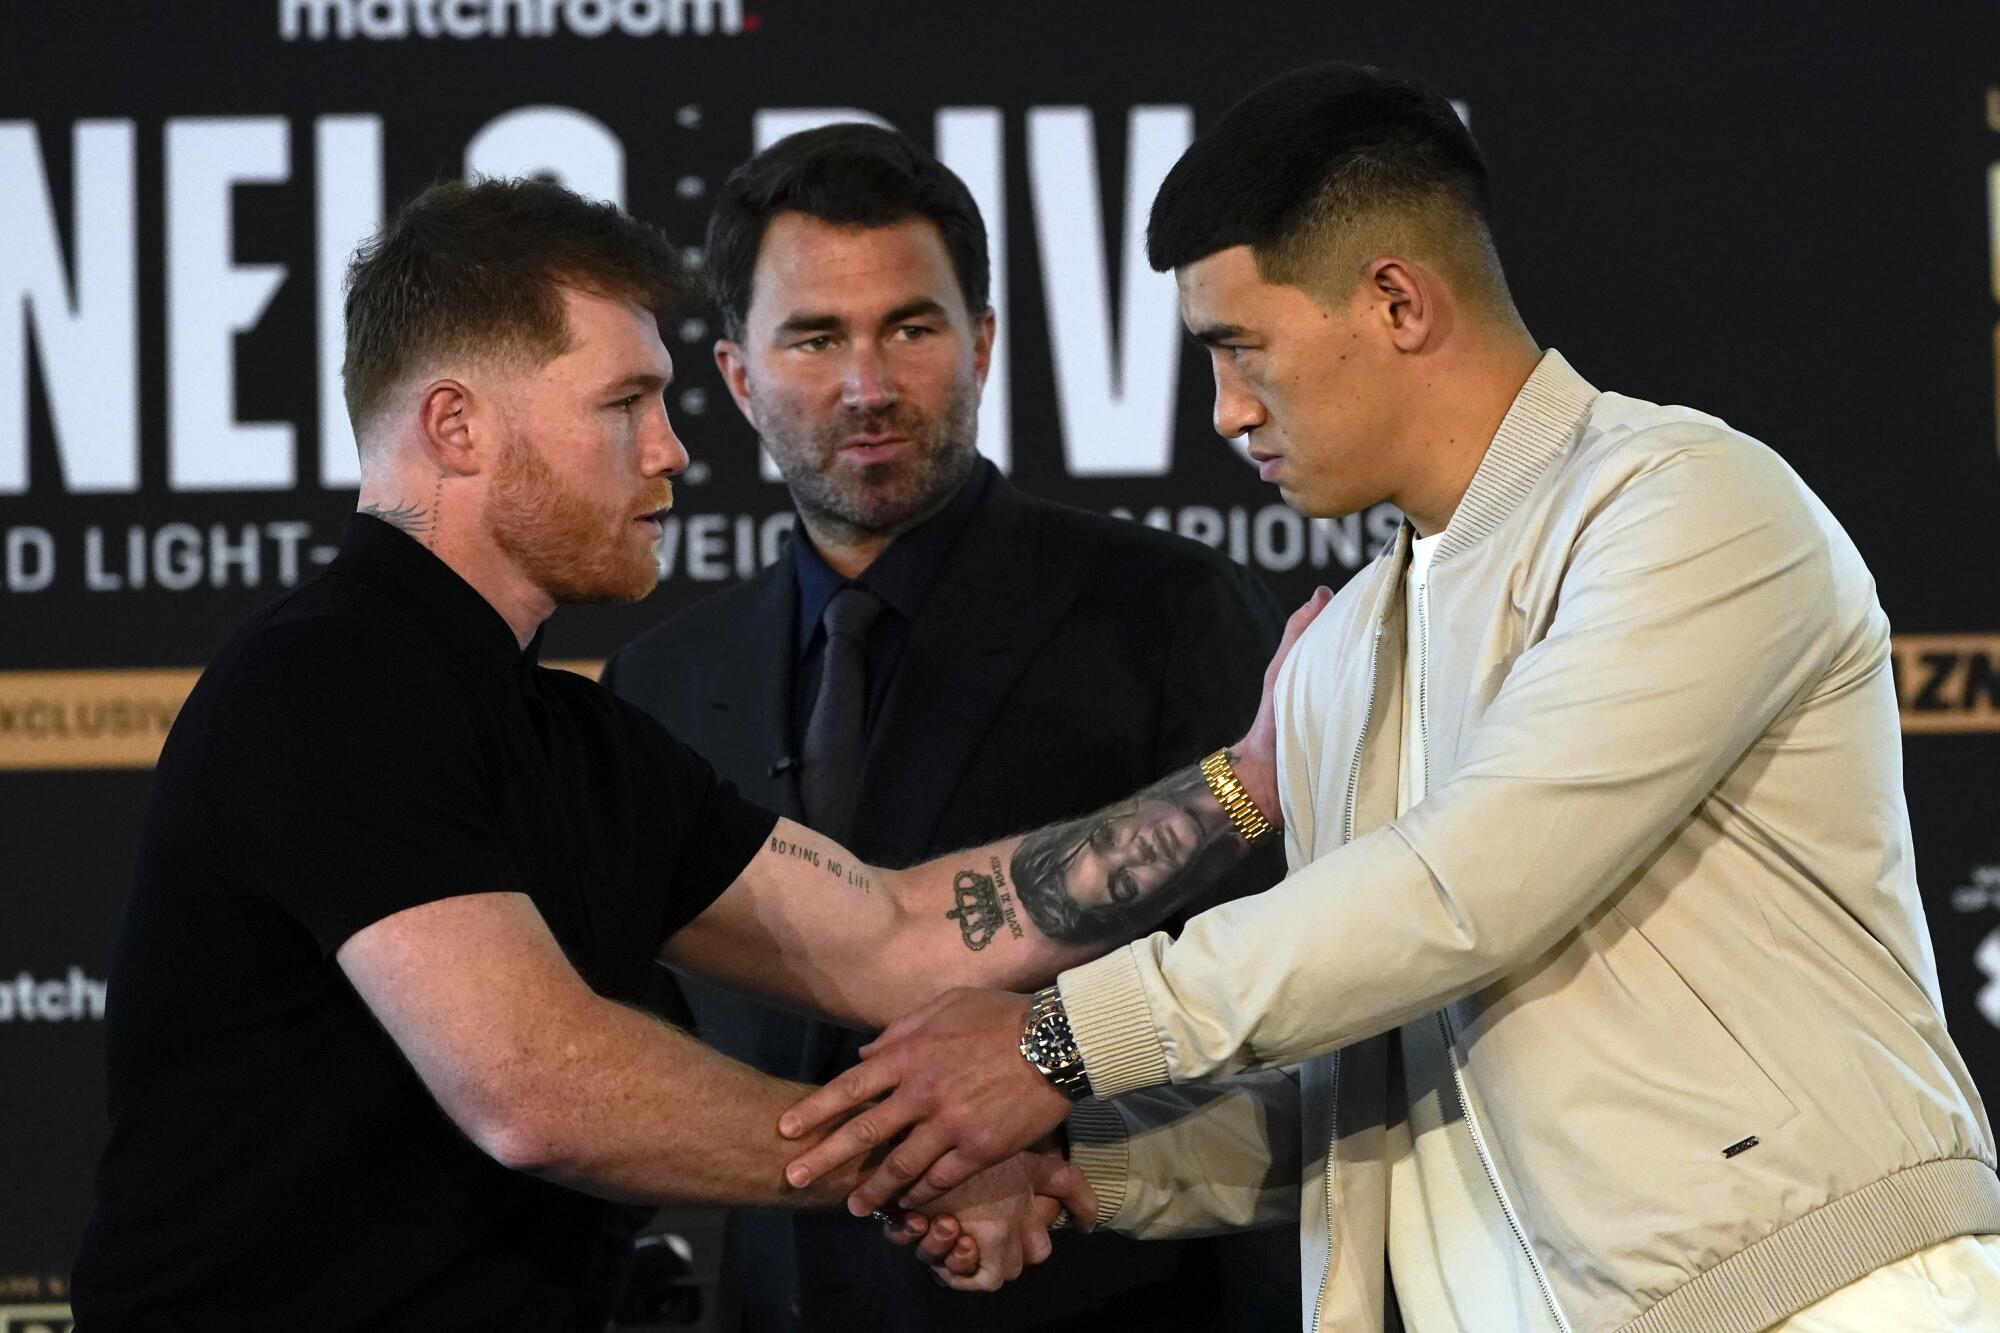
(470, 20)
(73, 998)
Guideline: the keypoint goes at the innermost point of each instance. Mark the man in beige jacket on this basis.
(1600, 993)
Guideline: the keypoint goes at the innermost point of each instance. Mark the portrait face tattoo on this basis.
(1133, 853)
(1085, 879)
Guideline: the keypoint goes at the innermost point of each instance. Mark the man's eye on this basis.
(912, 332)
(625, 404)
(818, 343)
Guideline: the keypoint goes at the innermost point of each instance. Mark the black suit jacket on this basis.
(1061, 660)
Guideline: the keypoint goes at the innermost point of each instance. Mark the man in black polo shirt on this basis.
(369, 1003)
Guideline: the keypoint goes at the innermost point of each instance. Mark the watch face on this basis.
(1053, 1042)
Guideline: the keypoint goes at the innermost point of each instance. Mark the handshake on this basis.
(987, 1231)
(963, 1137)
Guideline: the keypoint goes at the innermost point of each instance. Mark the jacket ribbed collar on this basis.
(1544, 418)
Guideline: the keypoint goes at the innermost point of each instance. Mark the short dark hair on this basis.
(1331, 155)
(480, 267)
(850, 174)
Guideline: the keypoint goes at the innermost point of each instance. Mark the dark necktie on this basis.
(832, 759)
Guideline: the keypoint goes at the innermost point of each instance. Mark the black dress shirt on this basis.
(901, 577)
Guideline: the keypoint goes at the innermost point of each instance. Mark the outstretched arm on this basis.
(809, 926)
(550, 1078)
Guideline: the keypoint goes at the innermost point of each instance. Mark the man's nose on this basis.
(661, 451)
(866, 384)
(1237, 410)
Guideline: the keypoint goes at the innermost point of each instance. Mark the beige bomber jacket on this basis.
(1661, 897)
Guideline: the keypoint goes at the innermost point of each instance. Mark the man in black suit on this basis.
(931, 638)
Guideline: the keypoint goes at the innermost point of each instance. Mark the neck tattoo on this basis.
(413, 519)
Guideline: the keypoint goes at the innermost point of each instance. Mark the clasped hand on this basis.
(957, 1094)
(984, 1233)
(964, 1105)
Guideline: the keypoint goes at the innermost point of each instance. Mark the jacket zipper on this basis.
(1333, 1092)
(1354, 769)
(1423, 628)
(1493, 1176)
(1332, 1136)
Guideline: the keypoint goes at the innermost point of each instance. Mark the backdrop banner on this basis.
(1786, 215)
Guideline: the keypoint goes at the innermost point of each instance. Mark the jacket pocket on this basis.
(1686, 1019)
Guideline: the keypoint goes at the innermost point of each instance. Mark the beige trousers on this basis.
(1949, 1288)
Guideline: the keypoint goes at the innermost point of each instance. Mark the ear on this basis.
(447, 417)
(736, 375)
(982, 343)
(1405, 298)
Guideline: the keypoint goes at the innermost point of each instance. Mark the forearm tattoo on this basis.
(983, 905)
(855, 875)
(1115, 873)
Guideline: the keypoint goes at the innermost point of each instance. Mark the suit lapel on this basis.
(982, 623)
(749, 691)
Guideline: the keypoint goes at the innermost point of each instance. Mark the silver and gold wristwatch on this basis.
(1047, 1044)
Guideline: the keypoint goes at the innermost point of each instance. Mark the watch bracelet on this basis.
(1046, 1002)
(1229, 793)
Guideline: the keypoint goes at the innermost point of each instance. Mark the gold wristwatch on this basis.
(1220, 775)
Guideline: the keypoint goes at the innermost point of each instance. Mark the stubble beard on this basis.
(577, 550)
(852, 504)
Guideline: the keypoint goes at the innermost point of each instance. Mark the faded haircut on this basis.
(1327, 167)
(478, 269)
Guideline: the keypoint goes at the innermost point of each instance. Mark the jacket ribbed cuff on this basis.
(1113, 1024)
(1098, 1147)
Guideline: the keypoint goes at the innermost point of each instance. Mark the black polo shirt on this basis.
(375, 741)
